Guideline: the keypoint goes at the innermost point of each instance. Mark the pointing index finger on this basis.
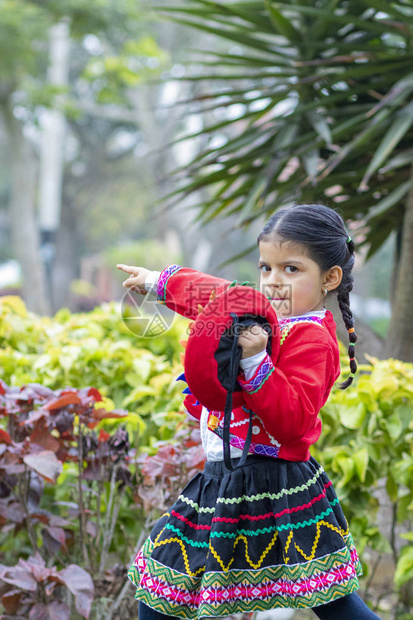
(125, 268)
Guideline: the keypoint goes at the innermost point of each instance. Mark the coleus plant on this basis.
(44, 429)
(47, 436)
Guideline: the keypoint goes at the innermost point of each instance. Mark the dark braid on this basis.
(343, 298)
(321, 231)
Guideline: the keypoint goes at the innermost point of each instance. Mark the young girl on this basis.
(270, 533)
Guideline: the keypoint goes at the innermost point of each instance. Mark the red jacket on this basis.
(285, 398)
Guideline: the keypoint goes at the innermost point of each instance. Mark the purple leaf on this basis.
(18, 577)
(57, 533)
(80, 583)
(45, 463)
(11, 510)
(54, 611)
(57, 521)
(58, 611)
(39, 612)
(41, 390)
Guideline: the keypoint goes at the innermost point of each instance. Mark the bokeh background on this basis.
(168, 132)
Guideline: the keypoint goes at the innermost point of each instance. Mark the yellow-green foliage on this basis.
(96, 349)
(367, 442)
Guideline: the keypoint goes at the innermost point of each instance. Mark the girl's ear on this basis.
(332, 278)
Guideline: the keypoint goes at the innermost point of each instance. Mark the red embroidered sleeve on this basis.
(183, 289)
(288, 396)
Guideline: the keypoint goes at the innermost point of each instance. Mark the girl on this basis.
(270, 533)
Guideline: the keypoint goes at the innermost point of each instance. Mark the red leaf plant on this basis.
(164, 474)
(27, 589)
(41, 430)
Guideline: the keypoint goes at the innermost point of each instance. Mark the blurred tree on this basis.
(117, 59)
(321, 110)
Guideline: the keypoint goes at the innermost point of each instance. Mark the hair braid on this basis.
(343, 298)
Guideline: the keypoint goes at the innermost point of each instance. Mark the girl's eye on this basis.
(266, 269)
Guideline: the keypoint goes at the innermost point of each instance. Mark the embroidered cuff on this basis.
(151, 281)
(253, 384)
(163, 280)
(250, 364)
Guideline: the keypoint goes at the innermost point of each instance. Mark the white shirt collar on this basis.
(320, 313)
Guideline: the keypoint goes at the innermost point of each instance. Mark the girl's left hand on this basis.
(252, 340)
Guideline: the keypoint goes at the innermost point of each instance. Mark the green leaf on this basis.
(369, 24)
(246, 60)
(353, 417)
(238, 9)
(389, 201)
(393, 136)
(404, 568)
(281, 23)
(380, 5)
(233, 35)
(311, 162)
(358, 141)
(320, 126)
(347, 466)
(361, 460)
(394, 426)
(137, 394)
(377, 235)
(404, 413)
(392, 488)
(404, 158)
(231, 260)
(253, 198)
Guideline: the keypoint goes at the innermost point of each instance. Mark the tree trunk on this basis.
(24, 229)
(67, 256)
(52, 160)
(398, 343)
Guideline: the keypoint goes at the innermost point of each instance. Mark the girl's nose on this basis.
(275, 281)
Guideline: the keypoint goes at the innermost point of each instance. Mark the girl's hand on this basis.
(136, 280)
(252, 340)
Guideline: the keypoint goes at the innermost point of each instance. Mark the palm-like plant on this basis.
(325, 112)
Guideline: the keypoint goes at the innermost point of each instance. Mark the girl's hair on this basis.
(322, 232)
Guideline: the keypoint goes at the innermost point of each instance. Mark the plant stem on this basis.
(22, 496)
(99, 502)
(144, 533)
(82, 528)
(393, 534)
(115, 517)
(371, 576)
(106, 532)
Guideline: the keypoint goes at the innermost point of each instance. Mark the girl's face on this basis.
(290, 278)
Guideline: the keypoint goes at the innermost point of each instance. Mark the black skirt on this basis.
(268, 534)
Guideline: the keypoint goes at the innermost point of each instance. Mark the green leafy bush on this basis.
(78, 485)
(366, 446)
(96, 348)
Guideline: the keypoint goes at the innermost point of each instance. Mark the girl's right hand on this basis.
(136, 280)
